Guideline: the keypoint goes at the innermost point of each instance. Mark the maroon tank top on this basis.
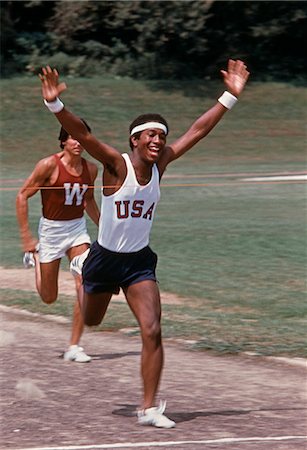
(64, 200)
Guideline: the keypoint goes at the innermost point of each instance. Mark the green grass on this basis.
(236, 250)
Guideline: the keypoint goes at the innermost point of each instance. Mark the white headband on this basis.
(147, 125)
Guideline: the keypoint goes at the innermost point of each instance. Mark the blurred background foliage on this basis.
(154, 39)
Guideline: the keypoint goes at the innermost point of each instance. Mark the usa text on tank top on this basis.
(127, 215)
(65, 199)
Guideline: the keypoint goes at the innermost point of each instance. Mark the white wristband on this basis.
(55, 106)
(228, 100)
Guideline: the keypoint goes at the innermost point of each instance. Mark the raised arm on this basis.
(51, 89)
(235, 79)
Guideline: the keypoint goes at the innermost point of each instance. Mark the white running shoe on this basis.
(28, 260)
(155, 417)
(77, 262)
(76, 354)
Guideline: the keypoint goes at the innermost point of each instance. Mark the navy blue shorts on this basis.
(106, 271)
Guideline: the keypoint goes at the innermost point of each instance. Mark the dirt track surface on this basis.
(46, 401)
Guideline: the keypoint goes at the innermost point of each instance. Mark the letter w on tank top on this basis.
(74, 191)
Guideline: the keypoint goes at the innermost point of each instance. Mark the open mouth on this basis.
(154, 150)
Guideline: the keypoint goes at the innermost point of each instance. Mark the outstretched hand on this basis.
(235, 77)
(51, 88)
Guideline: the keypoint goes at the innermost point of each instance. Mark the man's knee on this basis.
(92, 318)
(48, 297)
(91, 321)
(152, 332)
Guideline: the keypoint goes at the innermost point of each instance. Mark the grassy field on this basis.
(236, 249)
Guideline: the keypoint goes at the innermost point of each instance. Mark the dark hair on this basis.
(63, 136)
(143, 118)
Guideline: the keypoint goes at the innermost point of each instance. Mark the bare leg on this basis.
(144, 301)
(94, 307)
(38, 278)
(77, 319)
(47, 280)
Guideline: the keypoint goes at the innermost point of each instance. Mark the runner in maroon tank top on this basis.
(65, 181)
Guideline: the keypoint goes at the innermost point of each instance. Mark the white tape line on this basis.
(278, 178)
(169, 443)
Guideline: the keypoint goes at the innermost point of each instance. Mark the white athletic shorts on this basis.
(58, 236)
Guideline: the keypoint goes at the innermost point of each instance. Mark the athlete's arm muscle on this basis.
(40, 177)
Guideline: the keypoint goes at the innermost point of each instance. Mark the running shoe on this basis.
(155, 417)
(76, 354)
(77, 262)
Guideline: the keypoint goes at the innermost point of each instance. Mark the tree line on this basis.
(154, 39)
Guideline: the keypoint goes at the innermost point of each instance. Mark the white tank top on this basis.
(127, 215)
